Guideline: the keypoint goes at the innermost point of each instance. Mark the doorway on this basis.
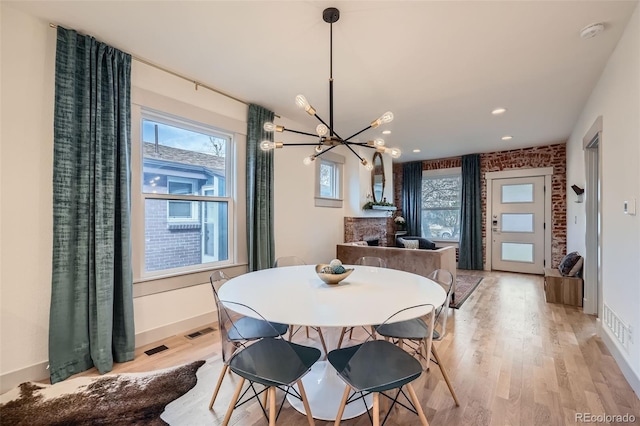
(518, 221)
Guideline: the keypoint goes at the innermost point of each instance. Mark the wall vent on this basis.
(155, 350)
(619, 329)
(199, 333)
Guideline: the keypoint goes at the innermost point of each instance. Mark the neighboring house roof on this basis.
(214, 163)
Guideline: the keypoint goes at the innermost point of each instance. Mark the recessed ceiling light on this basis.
(416, 150)
(592, 30)
(499, 111)
(507, 138)
(386, 132)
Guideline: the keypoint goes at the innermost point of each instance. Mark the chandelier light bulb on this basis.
(322, 130)
(267, 145)
(318, 148)
(378, 142)
(367, 165)
(308, 160)
(269, 127)
(393, 152)
(302, 102)
(385, 118)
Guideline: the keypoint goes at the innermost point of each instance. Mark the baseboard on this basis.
(39, 371)
(35, 372)
(632, 378)
(160, 333)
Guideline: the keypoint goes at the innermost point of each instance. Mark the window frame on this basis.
(194, 206)
(139, 114)
(442, 173)
(337, 162)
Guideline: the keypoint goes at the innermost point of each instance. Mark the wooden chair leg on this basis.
(307, 329)
(343, 403)
(232, 404)
(305, 401)
(265, 398)
(272, 406)
(324, 346)
(290, 332)
(342, 333)
(376, 409)
(445, 374)
(215, 392)
(373, 332)
(351, 334)
(416, 402)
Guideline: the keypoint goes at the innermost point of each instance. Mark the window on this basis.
(441, 195)
(187, 202)
(329, 180)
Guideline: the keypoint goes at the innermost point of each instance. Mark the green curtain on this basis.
(91, 316)
(470, 255)
(260, 233)
(412, 197)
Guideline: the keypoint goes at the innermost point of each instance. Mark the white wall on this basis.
(616, 98)
(28, 66)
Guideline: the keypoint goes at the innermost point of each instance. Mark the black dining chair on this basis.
(272, 362)
(245, 329)
(379, 367)
(414, 333)
(296, 261)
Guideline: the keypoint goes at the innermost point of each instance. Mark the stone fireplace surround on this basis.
(365, 228)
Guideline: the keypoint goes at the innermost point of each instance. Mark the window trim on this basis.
(195, 211)
(338, 161)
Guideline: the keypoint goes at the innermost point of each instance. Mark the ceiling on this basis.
(440, 66)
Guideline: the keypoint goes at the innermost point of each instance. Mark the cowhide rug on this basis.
(121, 399)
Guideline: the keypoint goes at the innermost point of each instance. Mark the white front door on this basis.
(517, 225)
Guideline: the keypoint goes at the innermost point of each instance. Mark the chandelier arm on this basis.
(363, 144)
(300, 144)
(299, 132)
(330, 128)
(356, 134)
(348, 145)
(328, 149)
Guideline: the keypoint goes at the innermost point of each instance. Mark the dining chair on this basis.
(245, 329)
(364, 261)
(415, 334)
(378, 366)
(295, 261)
(272, 362)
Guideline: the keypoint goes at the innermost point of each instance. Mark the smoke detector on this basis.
(591, 30)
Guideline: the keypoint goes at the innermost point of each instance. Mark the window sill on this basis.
(183, 226)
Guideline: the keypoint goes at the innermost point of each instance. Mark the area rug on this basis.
(119, 399)
(465, 285)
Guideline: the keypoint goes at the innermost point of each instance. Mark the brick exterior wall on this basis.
(526, 158)
(364, 228)
(169, 247)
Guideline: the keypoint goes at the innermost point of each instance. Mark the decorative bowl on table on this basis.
(331, 278)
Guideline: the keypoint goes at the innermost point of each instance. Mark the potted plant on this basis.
(401, 224)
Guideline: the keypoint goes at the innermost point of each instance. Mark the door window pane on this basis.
(522, 193)
(517, 252)
(513, 222)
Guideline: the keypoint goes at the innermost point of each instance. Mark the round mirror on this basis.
(377, 178)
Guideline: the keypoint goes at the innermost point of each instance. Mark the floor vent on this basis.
(155, 350)
(199, 333)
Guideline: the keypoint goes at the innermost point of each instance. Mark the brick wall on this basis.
(364, 228)
(167, 248)
(526, 158)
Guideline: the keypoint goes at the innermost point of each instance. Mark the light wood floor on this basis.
(513, 360)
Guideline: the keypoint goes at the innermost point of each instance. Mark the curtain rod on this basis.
(196, 83)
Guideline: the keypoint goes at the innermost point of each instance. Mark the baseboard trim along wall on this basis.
(610, 342)
(39, 371)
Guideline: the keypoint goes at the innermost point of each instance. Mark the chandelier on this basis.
(326, 134)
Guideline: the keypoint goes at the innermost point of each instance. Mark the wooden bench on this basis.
(561, 289)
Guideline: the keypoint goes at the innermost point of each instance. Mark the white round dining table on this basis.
(295, 295)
